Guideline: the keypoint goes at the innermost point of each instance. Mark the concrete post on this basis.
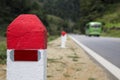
(63, 39)
(26, 49)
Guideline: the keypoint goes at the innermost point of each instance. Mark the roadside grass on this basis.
(91, 79)
(66, 75)
(52, 60)
(74, 57)
(2, 52)
(78, 69)
(112, 33)
(49, 76)
(50, 38)
(55, 61)
(111, 17)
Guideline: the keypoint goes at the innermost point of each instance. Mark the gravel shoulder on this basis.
(70, 63)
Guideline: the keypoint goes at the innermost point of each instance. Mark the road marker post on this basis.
(63, 39)
(26, 49)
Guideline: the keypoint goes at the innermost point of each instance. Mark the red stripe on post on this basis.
(25, 55)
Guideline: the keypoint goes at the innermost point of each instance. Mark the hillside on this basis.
(57, 15)
(111, 20)
(81, 12)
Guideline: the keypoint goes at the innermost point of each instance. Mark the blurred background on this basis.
(68, 15)
(57, 15)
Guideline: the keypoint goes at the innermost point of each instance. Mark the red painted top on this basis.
(26, 32)
(63, 33)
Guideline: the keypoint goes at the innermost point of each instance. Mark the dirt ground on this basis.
(70, 63)
(2, 72)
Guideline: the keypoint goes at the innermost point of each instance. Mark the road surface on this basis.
(108, 48)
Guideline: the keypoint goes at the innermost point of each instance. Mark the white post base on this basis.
(26, 70)
(63, 41)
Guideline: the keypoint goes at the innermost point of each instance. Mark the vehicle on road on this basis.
(93, 29)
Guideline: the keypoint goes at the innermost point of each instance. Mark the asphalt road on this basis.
(108, 48)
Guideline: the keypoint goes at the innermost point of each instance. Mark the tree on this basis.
(11, 9)
(67, 9)
(89, 11)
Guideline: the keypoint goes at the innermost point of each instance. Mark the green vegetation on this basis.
(74, 57)
(80, 12)
(91, 79)
(2, 51)
(50, 38)
(49, 76)
(58, 15)
(55, 24)
(52, 60)
(11, 9)
(78, 69)
(111, 33)
(66, 75)
(112, 16)
(111, 21)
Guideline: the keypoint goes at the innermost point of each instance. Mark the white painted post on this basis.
(26, 49)
(63, 39)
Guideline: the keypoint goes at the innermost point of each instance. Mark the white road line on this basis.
(109, 66)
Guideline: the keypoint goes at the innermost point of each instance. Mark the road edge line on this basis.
(106, 64)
